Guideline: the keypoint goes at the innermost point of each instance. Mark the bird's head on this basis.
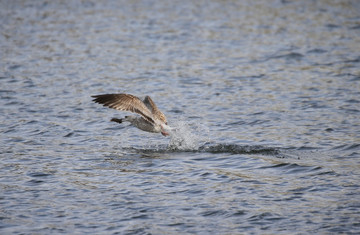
(165, 129)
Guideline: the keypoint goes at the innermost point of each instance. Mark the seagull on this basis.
(151, 119)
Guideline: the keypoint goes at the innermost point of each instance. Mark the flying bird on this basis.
(151, 119)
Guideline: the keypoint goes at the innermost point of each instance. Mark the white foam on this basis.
(187, 136)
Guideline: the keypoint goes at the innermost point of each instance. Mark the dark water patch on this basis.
(356, 60)
(34, 182)
(14, 67)
(247, 77)
(340, 147)
(313, 104)
(330, 173)
(6, 91)
(249, 123)
(264, 218)
(351, 147)
(288, 57)
(239, 149)
(239, 213)
(317, 51)
(345, 76)
(39, 174)
(12, 129)
(302, 148)
(332, 26)
(298, 160)
(64, 116)
(178, 111)
(14, 103)
(33, 142)
(354, 154)
(355, 27)
(257, 113)
(353, 101)
(7, 97)
(37, 132)
(348, 109)
(32, 122)
(257, 122)
(214, 148)
(292, 168)
(192, 81)
(213, 213)
(69, 134)
(301, 190)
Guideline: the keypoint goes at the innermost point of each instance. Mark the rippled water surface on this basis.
(265, 96)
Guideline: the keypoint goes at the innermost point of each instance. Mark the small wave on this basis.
(240, 149)
(346, 147)
(294, 168)
(288, 56)
(214, 149)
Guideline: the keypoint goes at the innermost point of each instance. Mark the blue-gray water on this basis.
(265, 95)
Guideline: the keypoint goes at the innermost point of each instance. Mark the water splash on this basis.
(186, 136)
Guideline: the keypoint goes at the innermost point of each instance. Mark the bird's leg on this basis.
(116, 120)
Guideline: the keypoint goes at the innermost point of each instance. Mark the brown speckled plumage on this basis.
(154, 118)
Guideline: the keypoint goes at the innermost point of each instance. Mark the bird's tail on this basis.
(116, 120)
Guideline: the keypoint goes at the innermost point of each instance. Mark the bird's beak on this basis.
(165, 129)
(164, 133)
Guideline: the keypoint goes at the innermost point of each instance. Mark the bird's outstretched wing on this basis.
(157, 114)
(126, 102)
